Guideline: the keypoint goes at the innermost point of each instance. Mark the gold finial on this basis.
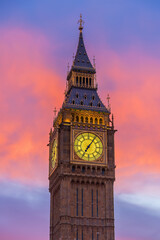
(81, 22)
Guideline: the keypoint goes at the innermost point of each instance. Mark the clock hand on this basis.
(89, 145)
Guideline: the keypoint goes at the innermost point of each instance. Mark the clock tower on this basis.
(81, 159)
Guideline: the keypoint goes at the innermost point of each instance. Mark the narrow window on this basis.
(97, 235)
(82, 234)
(91, 104)
(77, 119)
(96, 120)
(90, 82)
(85, 97)
(92, 201)
(72, 117)
(73, 168)
(82, 201)
(92, 235)
(91, 120)
(76, 95)
(87, 82)
(82, 120)
(83, 81)
(73, 102)
(77, 234)
(93, 97)
(80, 81)
(86, 120)
(97, 201)
(99, 104)
(77, 80)
(77, 202)
(81, 102)
(100, 121)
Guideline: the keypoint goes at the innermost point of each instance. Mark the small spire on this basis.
(55, 112)
(81, 22)
(112, 121)
(94, 62)
(108, 99)
(68, 68)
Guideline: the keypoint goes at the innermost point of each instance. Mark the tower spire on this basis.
(81, 22)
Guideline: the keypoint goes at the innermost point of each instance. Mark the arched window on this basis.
(73, 102)
(77, 119)
(85, 96)
(87, 82)
(86, 119)
(83, 81)
(91, 120)
(82, 120)
(81, 102)
(93, 97)
(96, 120)
(99, 104)
(91, 104)
(76, 95)
(80, 79)
(100, 121)
(77, 80)
(90, 82)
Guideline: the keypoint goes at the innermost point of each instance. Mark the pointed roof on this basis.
(81, 61)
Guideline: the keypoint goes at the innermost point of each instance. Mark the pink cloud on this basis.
(29, 92)
(31, 89)
(135, 99)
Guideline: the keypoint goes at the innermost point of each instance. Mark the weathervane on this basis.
(81, 22)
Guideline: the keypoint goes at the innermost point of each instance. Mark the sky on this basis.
(37, 41)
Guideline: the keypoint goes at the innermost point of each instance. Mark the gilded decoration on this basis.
(90, 117)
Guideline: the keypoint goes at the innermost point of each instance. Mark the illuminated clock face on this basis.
(54, 153)
(88, 146)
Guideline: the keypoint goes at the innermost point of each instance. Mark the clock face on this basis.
(54, 154)
(88, 146)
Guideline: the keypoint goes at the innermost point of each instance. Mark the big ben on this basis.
(81, 158)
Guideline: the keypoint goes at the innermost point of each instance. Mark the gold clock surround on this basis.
(88, 146)
(54, 154)
(100, 159)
